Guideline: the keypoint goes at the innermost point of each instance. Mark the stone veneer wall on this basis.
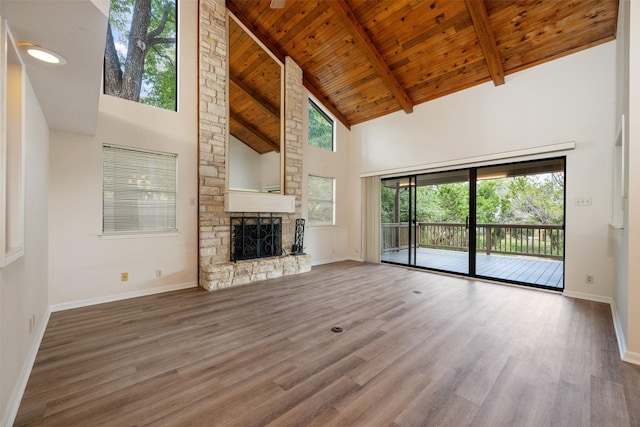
(216, 271)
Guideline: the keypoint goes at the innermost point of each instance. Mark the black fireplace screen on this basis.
(255, 237)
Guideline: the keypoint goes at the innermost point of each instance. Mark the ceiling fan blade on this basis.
(277, 4)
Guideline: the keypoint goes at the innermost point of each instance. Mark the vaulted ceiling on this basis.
(367, 58)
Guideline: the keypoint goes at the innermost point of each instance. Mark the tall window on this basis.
(140, 55)
(139, 191)
(320, 128)
(321, 201)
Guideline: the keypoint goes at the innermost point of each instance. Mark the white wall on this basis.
(270, 170)
(329, 243)
(569, 99)
(23, 283)
(85, 267)
(249, 170)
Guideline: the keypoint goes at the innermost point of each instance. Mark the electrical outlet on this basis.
(583, 201)
(588, 279)
(124, 276)
(158, 273)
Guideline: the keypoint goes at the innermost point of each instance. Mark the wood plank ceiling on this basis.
(367, 58)
(254, 92)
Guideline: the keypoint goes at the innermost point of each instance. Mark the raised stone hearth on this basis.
(216, 269)
(243, 272)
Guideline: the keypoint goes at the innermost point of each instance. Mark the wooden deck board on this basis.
(459, 353)
(536, 271)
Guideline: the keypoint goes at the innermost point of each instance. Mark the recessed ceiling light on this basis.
(42, 53)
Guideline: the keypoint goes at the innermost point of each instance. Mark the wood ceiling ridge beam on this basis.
(260, 101)
(481, 23)
(346, 15)
(325, 102)
(255, 132)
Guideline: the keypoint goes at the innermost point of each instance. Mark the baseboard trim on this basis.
(630, 357)
(119, 297)
(25, 373)
(625, 354)
(617, 327)
(588, 297)
(329, 261)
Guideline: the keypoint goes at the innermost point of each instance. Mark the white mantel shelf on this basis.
(246, 201)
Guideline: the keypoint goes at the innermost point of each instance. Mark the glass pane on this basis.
(139, 191)
(394, 211)
(520, 222)
(442, 211)
(142, 68)
(320, 128)
(321, 204)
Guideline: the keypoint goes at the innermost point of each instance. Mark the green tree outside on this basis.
(140, 54)
(320, 128)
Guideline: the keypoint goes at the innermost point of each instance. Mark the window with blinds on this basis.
(321, 202)
(138, 191)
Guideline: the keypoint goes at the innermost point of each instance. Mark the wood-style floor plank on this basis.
(418, 349)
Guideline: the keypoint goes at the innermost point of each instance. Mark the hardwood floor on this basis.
(458, 353)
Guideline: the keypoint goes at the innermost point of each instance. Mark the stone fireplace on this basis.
(215, 267)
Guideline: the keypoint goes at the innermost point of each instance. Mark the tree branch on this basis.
(163, 22)
(162, 55)
(160, 40)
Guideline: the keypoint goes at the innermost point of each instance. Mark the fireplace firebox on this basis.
(255, 237)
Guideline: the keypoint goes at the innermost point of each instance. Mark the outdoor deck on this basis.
(531, 270)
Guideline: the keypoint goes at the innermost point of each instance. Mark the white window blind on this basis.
(139, 191)
(321, 202)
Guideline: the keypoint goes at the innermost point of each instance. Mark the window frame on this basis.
(316, 106)
(333, 202)
(106, 234)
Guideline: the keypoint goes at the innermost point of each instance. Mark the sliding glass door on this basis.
(520, 222)
(503, 222)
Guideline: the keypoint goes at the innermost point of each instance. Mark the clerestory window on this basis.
(321, 127)
(141, 51)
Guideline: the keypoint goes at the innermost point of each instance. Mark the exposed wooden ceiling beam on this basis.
(487, 41)
(342, 10)
(254, 132)
(260, 101)
(325, 102)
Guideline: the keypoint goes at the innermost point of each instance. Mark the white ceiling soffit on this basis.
(69, 94)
